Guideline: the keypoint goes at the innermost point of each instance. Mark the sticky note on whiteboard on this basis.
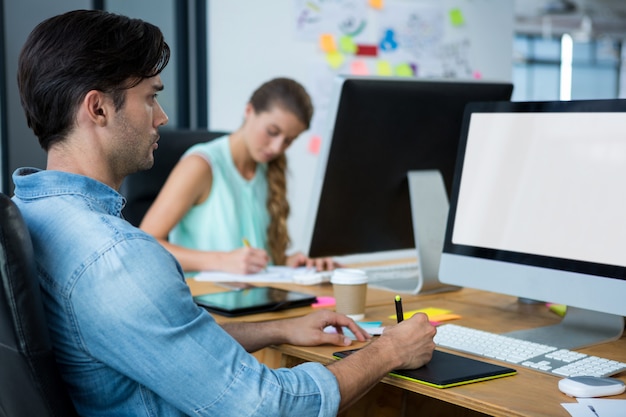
(347, 45)
(334, 59)
(327, 43)
(314, 144)
(404, 70)
(377, 4)
(384, 68)
(456, 17)
(358, 67)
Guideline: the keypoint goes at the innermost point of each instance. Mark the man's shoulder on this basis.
(72, 221)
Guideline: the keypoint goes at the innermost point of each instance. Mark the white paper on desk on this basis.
(594, 407)
(606, 407)
(578, 410)
(276, 274)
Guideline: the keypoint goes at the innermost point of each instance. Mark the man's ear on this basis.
(97, 107)
(248, 110)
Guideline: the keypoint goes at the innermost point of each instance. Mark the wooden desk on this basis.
(529, 393)
(375, 297)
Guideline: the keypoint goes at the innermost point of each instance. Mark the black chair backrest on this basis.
(141, 188)
(30, 382)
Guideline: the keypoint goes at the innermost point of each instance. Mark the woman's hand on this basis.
(320, 264)
(245, 260)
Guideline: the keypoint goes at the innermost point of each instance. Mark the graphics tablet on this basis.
(448, 370)
(253, 300)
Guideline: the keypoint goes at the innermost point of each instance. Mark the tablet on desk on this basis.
(448, 370)
(253, 300)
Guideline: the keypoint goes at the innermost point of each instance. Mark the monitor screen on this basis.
(537, 207)
(380, 129)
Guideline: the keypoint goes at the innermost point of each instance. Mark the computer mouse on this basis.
(591, 386)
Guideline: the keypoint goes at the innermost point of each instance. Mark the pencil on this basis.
(399, 313)
(247, 245)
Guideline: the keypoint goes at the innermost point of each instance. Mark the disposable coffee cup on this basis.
(350, 290)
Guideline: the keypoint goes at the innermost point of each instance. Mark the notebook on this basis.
(447, 370)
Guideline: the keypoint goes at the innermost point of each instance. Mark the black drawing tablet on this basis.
(448, 370)
(252, 300)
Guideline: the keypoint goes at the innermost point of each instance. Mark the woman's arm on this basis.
(189, 184)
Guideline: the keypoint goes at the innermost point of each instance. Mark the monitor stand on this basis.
(429, 214)
(579, 328)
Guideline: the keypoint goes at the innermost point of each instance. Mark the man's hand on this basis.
(406, 345)
(309, 330)
(412, 341)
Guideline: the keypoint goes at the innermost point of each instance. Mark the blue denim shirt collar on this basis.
(59, 182)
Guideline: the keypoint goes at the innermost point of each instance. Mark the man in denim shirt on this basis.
(128, 337)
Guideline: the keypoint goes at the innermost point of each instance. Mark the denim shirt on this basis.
(128, 337)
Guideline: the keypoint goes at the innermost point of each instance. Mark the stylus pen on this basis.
(399, 313)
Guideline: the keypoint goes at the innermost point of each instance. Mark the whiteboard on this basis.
(252, 41)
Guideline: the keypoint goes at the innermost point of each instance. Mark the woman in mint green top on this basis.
(224, 205)
(234, 210)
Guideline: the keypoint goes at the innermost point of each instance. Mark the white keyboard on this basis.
(381, 273)
(544, 358)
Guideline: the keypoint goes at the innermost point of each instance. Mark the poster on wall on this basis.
(392, 38)
(380, 38)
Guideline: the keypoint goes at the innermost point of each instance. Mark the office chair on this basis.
(141, 188)
(30, 382)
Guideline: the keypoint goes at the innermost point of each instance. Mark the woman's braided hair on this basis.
(290, 96)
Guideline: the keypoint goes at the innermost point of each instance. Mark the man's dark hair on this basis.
(71, 54)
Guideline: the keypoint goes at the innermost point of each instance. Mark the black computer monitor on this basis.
(379, 129)
(537, 211)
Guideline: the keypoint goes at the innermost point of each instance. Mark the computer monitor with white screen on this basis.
(537, 211)
(379, 129)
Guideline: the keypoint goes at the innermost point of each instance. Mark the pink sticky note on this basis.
(324, 302)
(314, 144)
(358, 67)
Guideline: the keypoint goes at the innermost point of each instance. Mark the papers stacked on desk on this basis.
(273, 274)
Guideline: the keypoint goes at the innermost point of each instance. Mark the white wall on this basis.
(252, 41)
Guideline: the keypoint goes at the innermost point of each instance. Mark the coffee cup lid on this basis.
(348, 276)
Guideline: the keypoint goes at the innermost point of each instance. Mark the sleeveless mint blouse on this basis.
(235, 209)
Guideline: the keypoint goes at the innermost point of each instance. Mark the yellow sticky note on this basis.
(429, 311)
(376, 4)
(383, 68)
(327, 43)
(358, 67)
(334, 59)
(404, 70)
(456, 17)
(444, 317)
(347, 45)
